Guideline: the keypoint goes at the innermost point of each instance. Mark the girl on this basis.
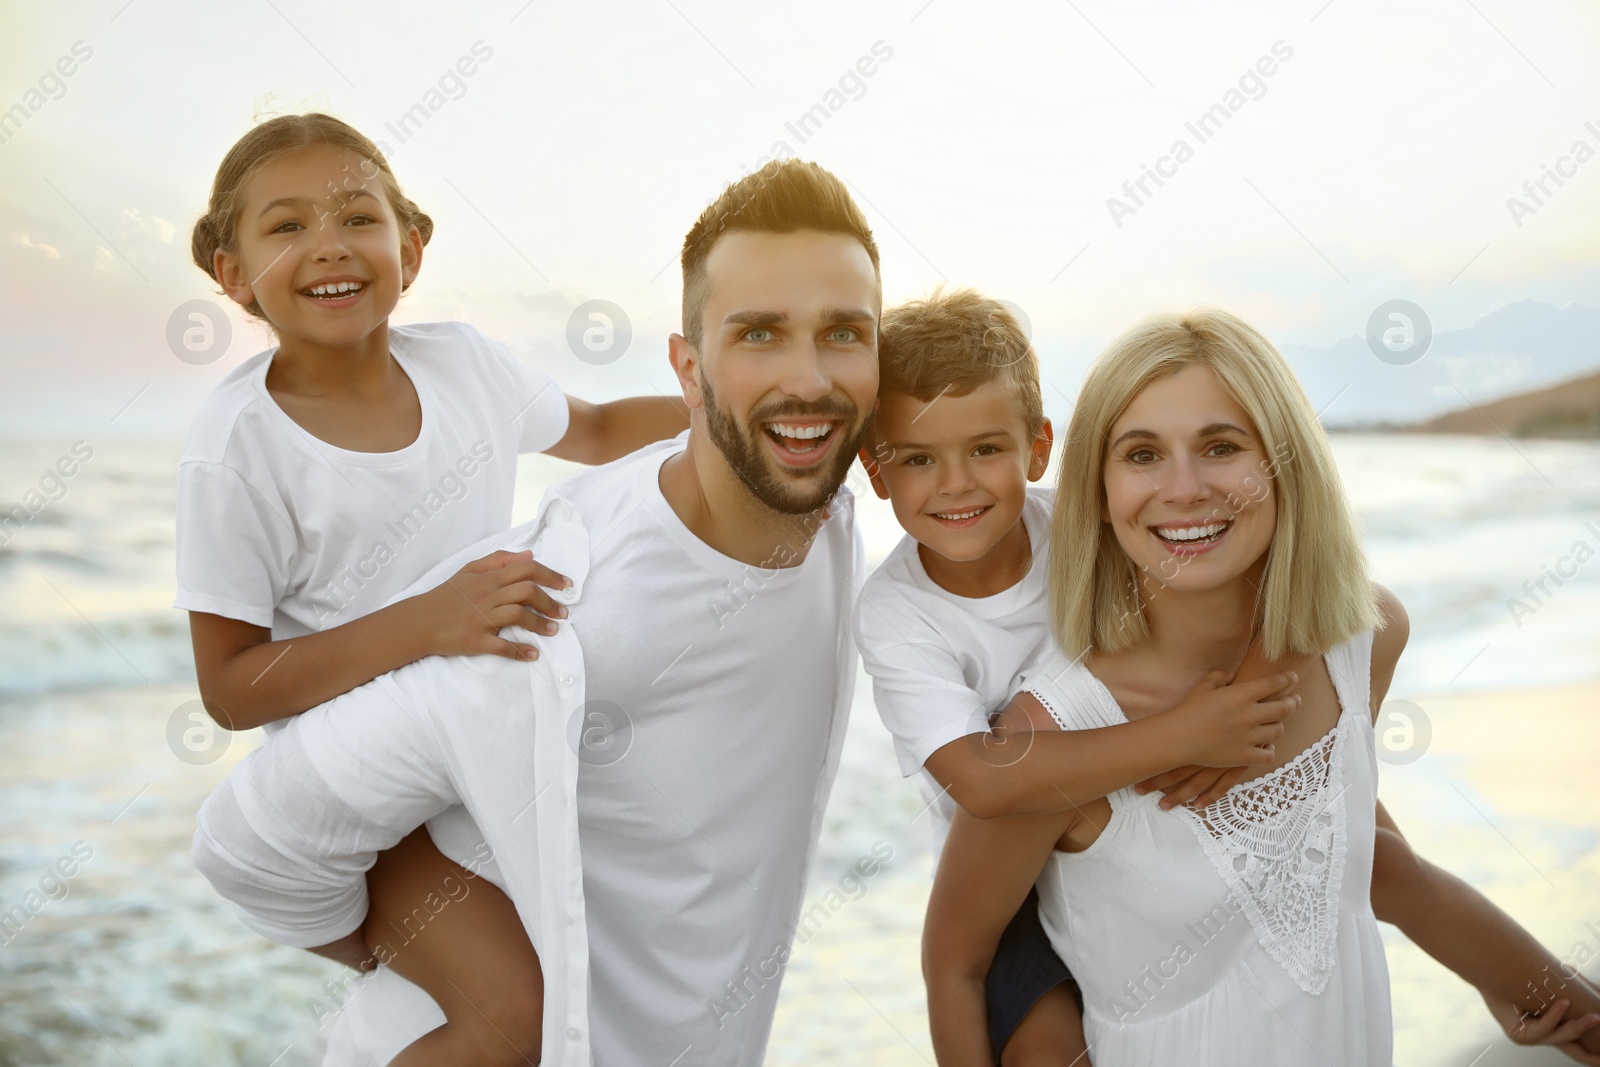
(322, 477)
(1200, 520)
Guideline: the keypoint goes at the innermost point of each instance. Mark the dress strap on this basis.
(1073, 696)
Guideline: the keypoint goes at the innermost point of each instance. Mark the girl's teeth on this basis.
(957, 516)
(335, 289)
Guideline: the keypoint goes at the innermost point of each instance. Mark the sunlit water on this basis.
(132, 959)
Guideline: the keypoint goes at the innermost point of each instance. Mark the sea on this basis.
(123, 955)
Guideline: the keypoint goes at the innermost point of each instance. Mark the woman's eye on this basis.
(1223, 448)
(285, 227)
(1142, 455)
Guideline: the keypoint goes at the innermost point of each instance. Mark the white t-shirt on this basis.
(280, 529)
(941, 663)
(699, 828)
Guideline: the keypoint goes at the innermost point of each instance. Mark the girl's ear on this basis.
(1040, 460)
(231, 276)
(410, 257)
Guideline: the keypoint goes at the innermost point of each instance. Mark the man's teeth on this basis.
(334, 289)
(957, 516)
(803, 433)
(1192, 533)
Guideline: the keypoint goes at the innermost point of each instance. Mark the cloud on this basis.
(137, 224)
(22, 240)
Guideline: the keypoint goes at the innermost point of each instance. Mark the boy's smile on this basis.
(956, 470)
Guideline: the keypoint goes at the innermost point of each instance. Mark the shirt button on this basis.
(573, 1034)
(566, 679)
(569, 594)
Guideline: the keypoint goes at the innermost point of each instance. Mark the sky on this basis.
(1357, 153)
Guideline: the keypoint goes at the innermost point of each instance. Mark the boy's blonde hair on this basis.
(1314, 592)
(953, 342)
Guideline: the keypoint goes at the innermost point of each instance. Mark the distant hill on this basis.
(1569, 409)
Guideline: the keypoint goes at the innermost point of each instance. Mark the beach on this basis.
(105, 757)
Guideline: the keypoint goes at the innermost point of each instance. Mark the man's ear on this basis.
(1040, 460)
(231, 276)
(685, 359)
(869, 462)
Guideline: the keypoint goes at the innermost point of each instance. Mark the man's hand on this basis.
(1546, 1028)
(463, 616)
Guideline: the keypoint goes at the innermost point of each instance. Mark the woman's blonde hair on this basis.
(1314, 591)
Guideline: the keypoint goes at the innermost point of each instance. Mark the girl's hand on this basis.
(463, 616)
(1546, 1028)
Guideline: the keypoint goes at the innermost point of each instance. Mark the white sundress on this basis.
(1241, 934)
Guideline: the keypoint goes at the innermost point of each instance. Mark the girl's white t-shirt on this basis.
(280, 529)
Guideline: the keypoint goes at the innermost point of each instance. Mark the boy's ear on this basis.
(874, 472)
(1040, 460)
(684, 358)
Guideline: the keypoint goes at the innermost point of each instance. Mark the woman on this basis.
(1199, 519)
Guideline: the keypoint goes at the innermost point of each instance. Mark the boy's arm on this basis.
(600, 433)
(985, 872)
(1027, 766)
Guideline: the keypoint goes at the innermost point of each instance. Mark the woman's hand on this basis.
(463, 617)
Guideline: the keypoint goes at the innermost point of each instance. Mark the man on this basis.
(714, 581)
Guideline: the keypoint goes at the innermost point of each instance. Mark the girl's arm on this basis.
(1454, 923)
(600, 433)
(247, 679)
(985, 872)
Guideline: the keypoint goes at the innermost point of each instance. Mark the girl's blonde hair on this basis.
(1314, 591)
(218, 227)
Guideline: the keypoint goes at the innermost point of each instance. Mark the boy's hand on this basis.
(463, 616)
(1234, 726)
(1197, 786)
(1546, 1028)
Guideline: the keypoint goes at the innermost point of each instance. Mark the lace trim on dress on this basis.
(1278, 843)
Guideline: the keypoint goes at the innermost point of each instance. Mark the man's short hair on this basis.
(954, 341)
(784, 196)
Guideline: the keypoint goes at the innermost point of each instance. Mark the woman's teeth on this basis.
(1182, 535)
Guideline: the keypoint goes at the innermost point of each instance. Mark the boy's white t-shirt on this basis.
(280, 529)
(941, 663)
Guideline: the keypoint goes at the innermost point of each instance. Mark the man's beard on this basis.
(746, 456)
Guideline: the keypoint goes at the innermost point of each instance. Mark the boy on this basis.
(958, 613)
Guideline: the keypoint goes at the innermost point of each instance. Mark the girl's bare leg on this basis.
(460, 939)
